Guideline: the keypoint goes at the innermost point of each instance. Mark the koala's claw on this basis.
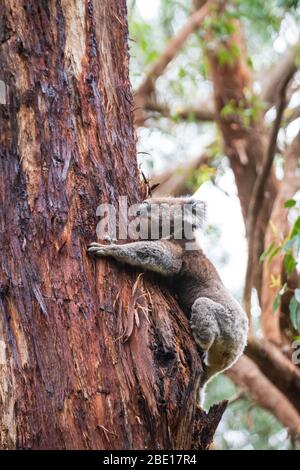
(204, 358)
(96, 249)
(110, 239)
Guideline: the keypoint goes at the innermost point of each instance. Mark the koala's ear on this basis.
(143, 207)
(199, 213)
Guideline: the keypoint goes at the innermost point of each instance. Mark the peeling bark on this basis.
(83, 364)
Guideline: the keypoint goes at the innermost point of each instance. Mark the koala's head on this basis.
(170, 217)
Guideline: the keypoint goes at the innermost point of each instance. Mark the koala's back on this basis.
(218, 322)
(197, 278)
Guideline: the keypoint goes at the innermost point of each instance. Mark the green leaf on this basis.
(266, 253)
(228, 109)
(290, 203)
(225, 56)
(273, 253)
(289, 263)
(276, 303)
(295, 313)
(250, 62)
(296, 228)
(181, 73)
(297, 295)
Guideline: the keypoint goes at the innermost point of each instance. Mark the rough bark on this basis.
(86, 360)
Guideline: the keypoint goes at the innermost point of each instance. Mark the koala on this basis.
(218, 323)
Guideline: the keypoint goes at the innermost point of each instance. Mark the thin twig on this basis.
(202, 112)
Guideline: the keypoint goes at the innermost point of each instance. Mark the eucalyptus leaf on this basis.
(266, 253)
(290, 203)
(295, 313)
(296, 228)
(289, 263)
(276, 303)
(297, 295)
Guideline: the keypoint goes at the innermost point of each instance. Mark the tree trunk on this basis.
(92, 356)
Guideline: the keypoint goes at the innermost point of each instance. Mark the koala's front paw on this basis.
(97, 249)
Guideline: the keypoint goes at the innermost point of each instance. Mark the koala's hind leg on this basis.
(220, 331)
(203, 322)
(206, 330)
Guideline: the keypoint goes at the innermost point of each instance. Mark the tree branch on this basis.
(171, 51)
(175, 182)
(246, 375)
(277, 368)
(292, 114)
(257, 197)
(279, 217)
(283, 69)
(202, 113)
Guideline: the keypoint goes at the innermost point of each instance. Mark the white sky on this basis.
(148, 8)
(224, 212)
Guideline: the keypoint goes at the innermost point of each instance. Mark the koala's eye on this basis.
(143, 208)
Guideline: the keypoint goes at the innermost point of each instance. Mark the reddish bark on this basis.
(67, 380)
